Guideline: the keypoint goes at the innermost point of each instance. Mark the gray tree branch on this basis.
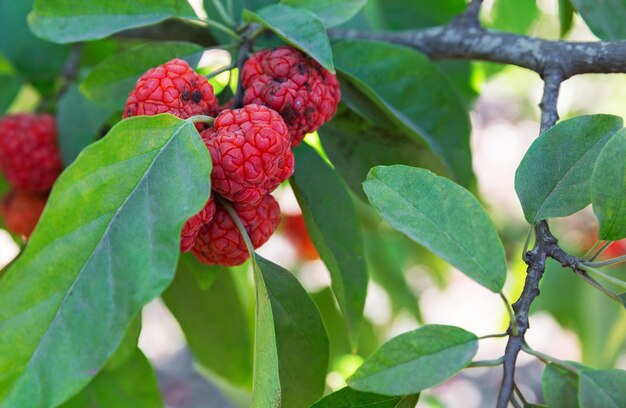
(463, 40)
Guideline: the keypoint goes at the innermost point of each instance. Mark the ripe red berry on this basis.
(21, 211)
(173, 87)
(304, 93)
(29, 156)
(193, 225)
(220, 243)
(251, 153)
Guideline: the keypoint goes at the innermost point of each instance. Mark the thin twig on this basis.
(607, 277)
(549, 359)
(588, 279)
(546, 245)
(493, 336)
(614, 261)
(244, 53)
(70, 70)
(600, 251)
(220, 71)
(519, 394)
(487, 363)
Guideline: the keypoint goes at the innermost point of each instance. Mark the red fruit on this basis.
(251, 153)
(304, 93)
(173, 87)
(220, 243)
(193, 225)
(29, 156)
(296, 232)
(21, 211)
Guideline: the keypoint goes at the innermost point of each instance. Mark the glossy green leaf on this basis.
(414, 94)
(606, 20)
(560, 387)
(333, 225)
(355, 146)
(79, 121)
(416, 360)
(130, 385)
(9, 87)
(331, 12)
(349, 398)
(443, 217)
(566, 16)
(106, 244)
(110, 82)
(65, 21)
(602, 389)
(291, 344)
(298, 27)
(213, 320)
(30, 56)
(608, 189)
(554, 177)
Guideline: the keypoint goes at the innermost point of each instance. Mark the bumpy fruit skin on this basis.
(173, 87)
(251, 153)
(193, 225)
(304, 93)
(220, 243)
(29, 155)
(21, 210)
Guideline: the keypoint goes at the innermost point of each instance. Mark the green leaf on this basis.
(623, 297)
(65, 21)
(608, 189)
(291, 344)
(566, 16)
(443, 217)
(128, 346)
(554, 177)
(606, 20)
(602, 389)
(213, 320)
(107, 244)
(130, 385)
(9, 87)
(514, 16)
(34, 58)
(333, 225)
(110, 82)
(79, 122)
(298, 27)
(349, 398)
(406, 15)
(355, 146)
(331, 12)
(416, 360)
(414, 94)
(560, 387)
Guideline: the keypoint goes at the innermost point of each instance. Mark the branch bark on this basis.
(463, 40)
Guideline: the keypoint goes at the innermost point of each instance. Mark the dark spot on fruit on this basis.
(301, 68)
(185, 96)
(196, 96)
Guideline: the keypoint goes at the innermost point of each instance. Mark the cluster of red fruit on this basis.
(31, 162)
(287, 95)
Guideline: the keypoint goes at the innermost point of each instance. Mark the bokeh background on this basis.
(411, 287)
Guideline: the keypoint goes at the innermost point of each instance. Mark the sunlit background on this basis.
(570, 321)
